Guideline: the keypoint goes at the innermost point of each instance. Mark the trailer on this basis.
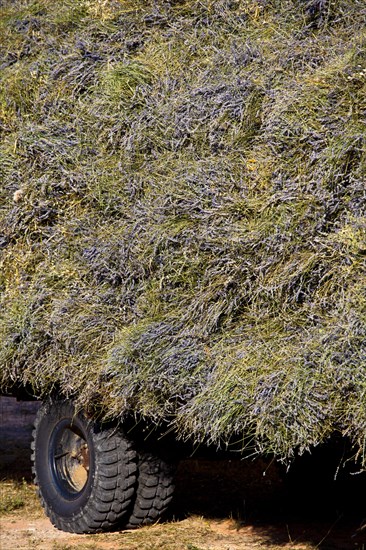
(182, 239)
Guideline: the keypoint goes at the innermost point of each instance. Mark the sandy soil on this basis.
(219, 505)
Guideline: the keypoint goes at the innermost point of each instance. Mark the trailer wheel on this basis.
(85, 475)
(155, 488)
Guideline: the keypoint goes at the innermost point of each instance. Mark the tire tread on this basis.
(155, 488)
(111, 496)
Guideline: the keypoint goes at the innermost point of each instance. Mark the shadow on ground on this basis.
(320, 500)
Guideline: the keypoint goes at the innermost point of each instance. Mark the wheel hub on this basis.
(71, 460)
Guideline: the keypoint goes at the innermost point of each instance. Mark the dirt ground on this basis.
(218, 505)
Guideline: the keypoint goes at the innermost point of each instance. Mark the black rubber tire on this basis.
(155, 488)
(85, 475)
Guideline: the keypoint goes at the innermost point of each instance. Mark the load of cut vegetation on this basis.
(183, 213)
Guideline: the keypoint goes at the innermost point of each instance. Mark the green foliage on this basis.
(183, 214)
(17, 496)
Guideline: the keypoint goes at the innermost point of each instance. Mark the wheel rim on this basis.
(70, 459)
